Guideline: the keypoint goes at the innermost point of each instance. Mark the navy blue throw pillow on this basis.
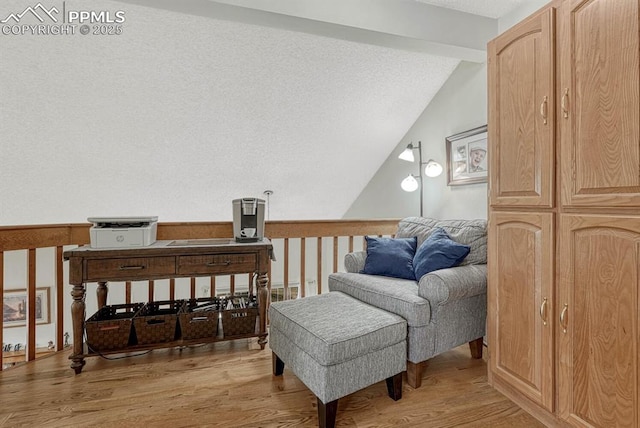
(390, 257)
(438, 251)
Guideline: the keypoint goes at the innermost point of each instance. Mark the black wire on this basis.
(112, 358)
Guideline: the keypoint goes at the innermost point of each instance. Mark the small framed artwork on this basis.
(15, 307)
(467, 160)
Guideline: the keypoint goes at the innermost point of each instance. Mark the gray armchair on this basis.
(444, 308)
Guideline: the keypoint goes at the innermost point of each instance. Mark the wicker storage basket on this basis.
(240, 321)
(109, 329)
(157, 322)
(199, 318)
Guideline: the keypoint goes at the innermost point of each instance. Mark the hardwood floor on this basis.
(230, 384)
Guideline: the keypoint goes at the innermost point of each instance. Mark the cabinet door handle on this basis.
(563, 103)
(543, 311)
(563, 317)
(543, 110)
(131, 267)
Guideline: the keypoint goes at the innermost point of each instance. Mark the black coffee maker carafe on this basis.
(248, 219)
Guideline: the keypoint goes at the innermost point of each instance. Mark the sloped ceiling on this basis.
(201, 102)
(489, 8)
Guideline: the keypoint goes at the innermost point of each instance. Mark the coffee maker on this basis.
(248, 219)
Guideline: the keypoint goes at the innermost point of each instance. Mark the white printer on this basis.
(123, 232)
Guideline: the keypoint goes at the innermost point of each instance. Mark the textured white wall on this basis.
(460, 105)
(180, 114)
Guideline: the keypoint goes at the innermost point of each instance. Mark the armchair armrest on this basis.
(446, 285)
(354, 262)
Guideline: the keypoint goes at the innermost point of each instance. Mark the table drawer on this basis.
(217, 264)
(130, 268)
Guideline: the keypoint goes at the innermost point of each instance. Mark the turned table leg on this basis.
(101, 294)
(263, 296)
(77, 318)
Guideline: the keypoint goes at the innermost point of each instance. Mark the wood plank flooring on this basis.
(230, 384)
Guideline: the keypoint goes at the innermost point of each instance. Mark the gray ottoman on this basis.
(337, 345)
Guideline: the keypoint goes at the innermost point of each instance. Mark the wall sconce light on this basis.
(431, 169)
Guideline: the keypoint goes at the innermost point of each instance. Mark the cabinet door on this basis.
(520, 303)
(522, 113)
(598, 328)
(599, 99)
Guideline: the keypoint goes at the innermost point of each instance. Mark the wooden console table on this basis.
(162, 260)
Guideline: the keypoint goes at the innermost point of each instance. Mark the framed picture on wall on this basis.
(467, 160)
(14, 312)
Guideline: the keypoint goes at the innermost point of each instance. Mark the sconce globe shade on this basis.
(409, 184)
(432, 169)
(407, 154)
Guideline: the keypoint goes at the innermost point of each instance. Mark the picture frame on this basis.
(467, 157)
(14, 307)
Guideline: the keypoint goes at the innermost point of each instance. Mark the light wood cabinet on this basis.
(599, 102)
(521, 77)
(598, 321)
(522, 117)
(579, 243)
(521, 311)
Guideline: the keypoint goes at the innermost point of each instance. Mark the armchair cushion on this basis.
(437, 252)
(390, 257)
(469, 232)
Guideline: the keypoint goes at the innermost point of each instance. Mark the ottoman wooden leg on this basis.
(394, 386)
(278, 364)
(327, 414)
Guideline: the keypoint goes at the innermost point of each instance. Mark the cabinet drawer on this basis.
(216, 264)
(130, 268)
